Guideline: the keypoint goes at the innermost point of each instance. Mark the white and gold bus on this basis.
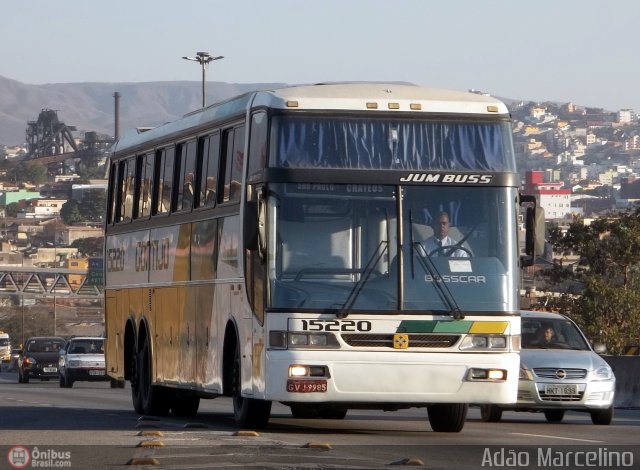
(272, 247)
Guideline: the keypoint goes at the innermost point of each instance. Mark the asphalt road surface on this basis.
(92, 426)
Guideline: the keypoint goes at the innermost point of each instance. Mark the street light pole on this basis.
(203, 58)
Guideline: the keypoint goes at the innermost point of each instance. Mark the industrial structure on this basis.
(50, 141)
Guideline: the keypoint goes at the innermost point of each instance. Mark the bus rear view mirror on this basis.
(534, 231)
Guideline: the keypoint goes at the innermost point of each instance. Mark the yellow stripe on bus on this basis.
(489, 327)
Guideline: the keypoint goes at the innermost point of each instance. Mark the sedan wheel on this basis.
(490, 413)
(554, 416)
(602, 417)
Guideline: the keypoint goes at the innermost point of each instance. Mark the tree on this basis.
(606, 304)
(89, 246)
(12, 209)
(27, 172)
(70, 212)
(89, 209)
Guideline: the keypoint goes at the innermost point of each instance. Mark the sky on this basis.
(580, 51)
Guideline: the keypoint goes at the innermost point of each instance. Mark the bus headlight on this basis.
(483, 343)
(487, 375)
(302, 340)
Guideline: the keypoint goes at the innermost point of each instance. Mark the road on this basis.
(96, 425)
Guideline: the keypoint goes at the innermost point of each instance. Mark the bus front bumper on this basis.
(382, 377)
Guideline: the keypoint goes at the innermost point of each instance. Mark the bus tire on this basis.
(333, 412)
(185, 405)
(247, 412)
(490, 413)
(134, 373)
(155, 400)
(304, 412)
(447, 417)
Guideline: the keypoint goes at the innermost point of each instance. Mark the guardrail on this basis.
(627, 372)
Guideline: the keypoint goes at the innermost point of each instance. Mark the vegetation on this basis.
(32, 172)
(12, 209)
(89, 246)
(90, 209)
(601, 291)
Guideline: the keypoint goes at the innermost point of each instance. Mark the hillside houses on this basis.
(576, 160)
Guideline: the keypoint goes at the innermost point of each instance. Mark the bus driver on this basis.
(435, 245)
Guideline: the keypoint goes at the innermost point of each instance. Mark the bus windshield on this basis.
(338, 246)
(398, 144)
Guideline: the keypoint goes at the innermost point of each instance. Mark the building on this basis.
(42, 208)
(9, 197)
(625, 116)
(551, 196)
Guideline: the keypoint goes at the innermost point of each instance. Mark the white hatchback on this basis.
(559, 371)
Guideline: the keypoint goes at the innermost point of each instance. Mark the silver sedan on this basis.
(559, 371)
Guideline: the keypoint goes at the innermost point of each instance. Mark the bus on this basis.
(271, 248)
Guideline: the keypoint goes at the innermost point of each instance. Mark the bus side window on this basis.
(233, 162)
(165, 180)
(126, 180)
(112, 193)
(258, 144)
(186, 163)
(145, 172)
(209, 170)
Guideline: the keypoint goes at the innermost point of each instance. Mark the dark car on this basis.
(39, 358)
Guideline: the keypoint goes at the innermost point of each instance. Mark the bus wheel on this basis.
(185, 405)
(447, 417)
(155, 400)
(304, 411)
(134, 372)
(247, 412)
(490, 413)
(333, 412)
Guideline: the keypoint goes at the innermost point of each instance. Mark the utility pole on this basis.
(203, 58)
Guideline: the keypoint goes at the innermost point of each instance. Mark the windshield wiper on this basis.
(366, 274)
(441, 287)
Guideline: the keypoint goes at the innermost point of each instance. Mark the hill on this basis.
(90, 106)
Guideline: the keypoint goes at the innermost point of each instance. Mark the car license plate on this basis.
(567, 389)
(50, 369)
(306, 386)
(96, 372)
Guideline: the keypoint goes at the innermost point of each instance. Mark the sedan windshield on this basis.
(45, 346)
(553, 333)
(353, 247)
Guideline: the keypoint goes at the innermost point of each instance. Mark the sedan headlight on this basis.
(525, 374)
(29, 361)
(603, 373)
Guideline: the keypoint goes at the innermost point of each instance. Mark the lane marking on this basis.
(556, 437)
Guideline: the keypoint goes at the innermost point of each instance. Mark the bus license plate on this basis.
(96, 372)
(561, 389)
(49, 369)
(306, 386)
